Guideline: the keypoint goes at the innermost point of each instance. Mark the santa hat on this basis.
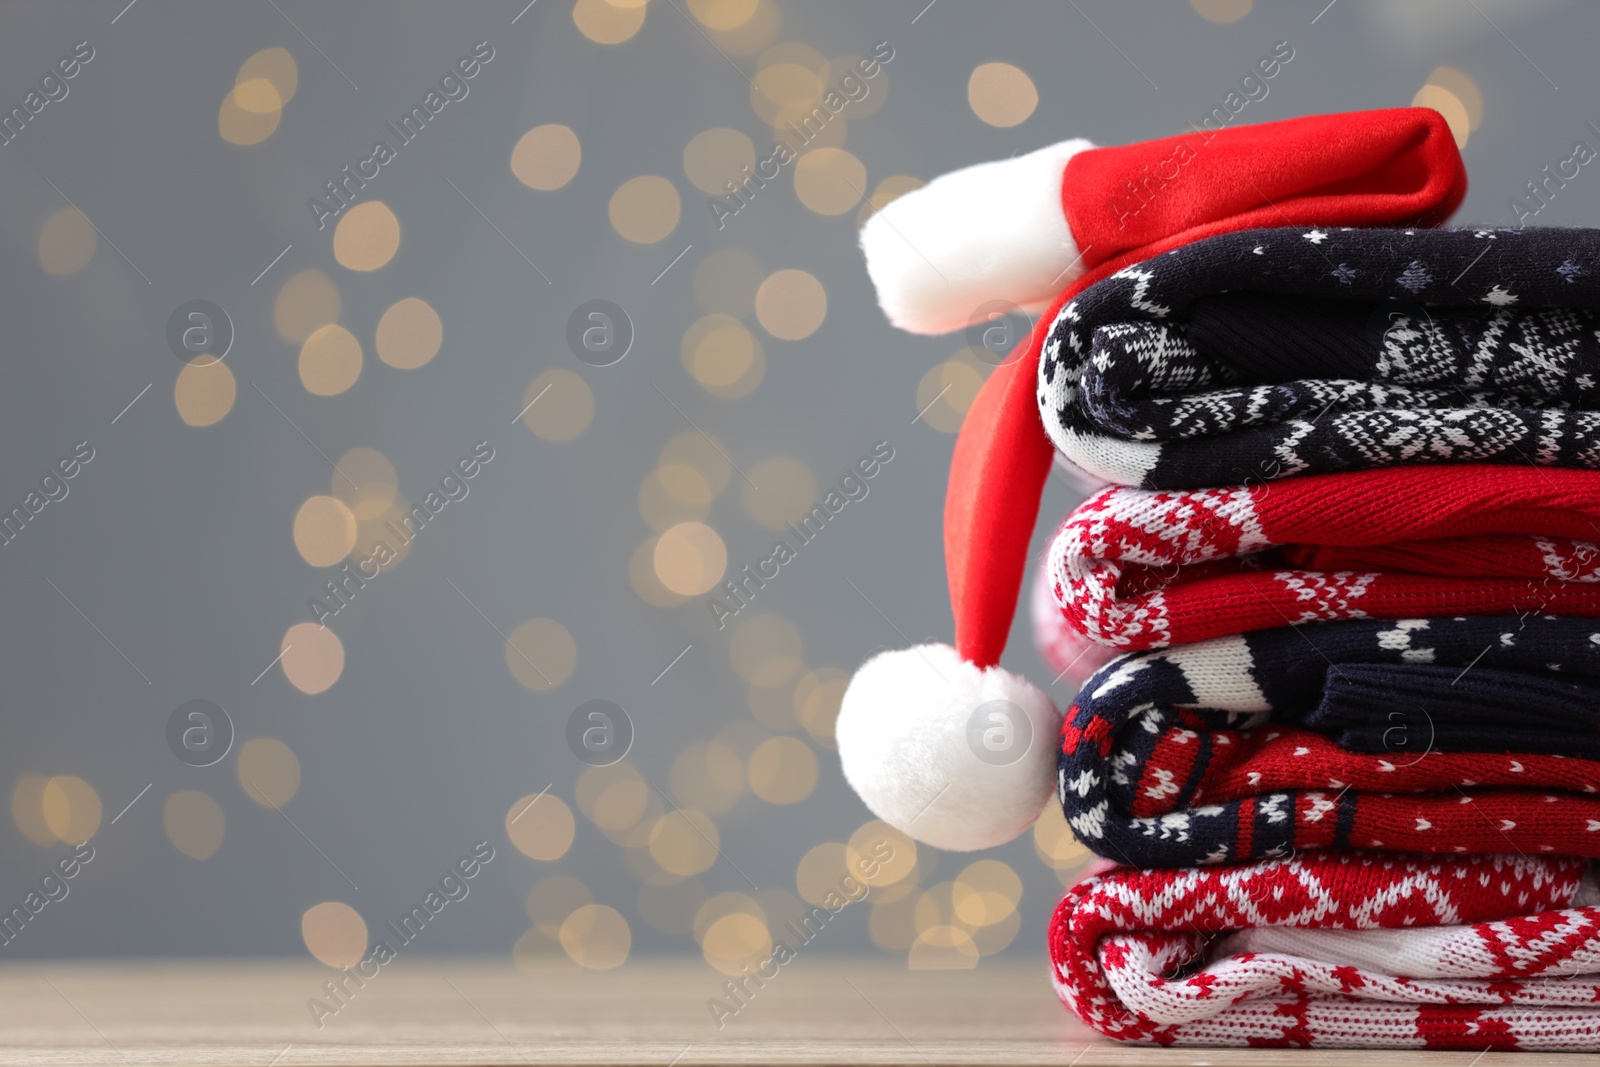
(940, 742)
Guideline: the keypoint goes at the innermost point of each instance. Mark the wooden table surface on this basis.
(419, 1011)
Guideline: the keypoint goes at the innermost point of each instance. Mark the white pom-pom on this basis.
(957, 756)
(986, 233)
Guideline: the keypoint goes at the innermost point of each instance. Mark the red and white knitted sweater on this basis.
(1137, 569)
(1337, 950)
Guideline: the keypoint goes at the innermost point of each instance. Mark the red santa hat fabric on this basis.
(902, 728)
(1372, 168)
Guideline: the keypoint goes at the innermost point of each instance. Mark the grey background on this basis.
(176, 542)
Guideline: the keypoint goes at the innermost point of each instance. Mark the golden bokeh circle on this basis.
(817, 696)
(685, 483)
(67, 242)
(335, 934)
(713, 158)
(906, 888)
(755, 34)
(617, 799)
(540, 826)
(547, 157)
(204, 393)
(313, 657)
(552, 899)
(877, 86)
(596, 937)
(541, 654)
(605, 22)
(646, 584)
(830, 181)
(194, 823)
(258, 96)
(690, 558)
(367, 236)
(409, 333)
(366, 482)
(820, 872)
(704, 453)
(244, 126)
(996, 936)
(307, 301)
(663, 505)
(1056, 844)
(790, 75)
(783, 770)
(741, 736)
(684, 842)
(559, 405)
(791, 304)
(1222, 11)
(27, 808)
(622, 806)
(269, 771)
(766, 650)
(985, 893)
(800, 126)
(377, 543)
(879, 855)
(698, 330)
(736, 943)
(723, 904)
(330, 360)
(1450, 106)
(71, 808)
(946, 392)
(779, 906)
(781, 490)
(1001, 94)
(786, 84)
(324, 531)
(276, 66)
(1461, 85)
(723, 356)
(723, 14)
(645, 209)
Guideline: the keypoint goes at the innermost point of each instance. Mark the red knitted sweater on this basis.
(1136, 569)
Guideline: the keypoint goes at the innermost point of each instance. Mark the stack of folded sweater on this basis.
(1348, 756)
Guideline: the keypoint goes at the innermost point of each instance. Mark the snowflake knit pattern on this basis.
(1139, 568)
(1193, 755)
(1264, 354)
(1337, 950)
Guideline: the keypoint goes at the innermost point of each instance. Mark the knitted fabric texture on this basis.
(1417, 708)
(1337, 950)
(1194, 756)
(1269, 353)
(1140, 568)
